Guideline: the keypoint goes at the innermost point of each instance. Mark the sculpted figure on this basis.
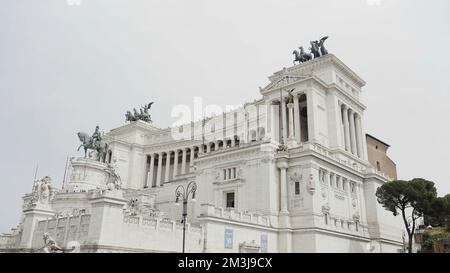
(323, 50)
(50, 244)
(304, 56)
(298, 58)
(114, 181)
(94, 143)
(315, 49)
(142, 114)
(97, 136)
(42, 191)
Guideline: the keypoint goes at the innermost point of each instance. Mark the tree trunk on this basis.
(410, 241)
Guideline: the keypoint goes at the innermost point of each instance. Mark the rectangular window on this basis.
(356, 226)
(234, 172)
(230, 199)
(225, 174)
(297, 188)
(352, 187)
(229, 173)
(326, 218)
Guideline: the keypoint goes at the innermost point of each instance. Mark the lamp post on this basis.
(182, 193)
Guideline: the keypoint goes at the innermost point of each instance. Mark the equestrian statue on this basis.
(95, 143)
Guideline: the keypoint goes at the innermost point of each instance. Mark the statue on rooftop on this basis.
(301, 56)
(317, 50)
(143, 114)
(323, 50)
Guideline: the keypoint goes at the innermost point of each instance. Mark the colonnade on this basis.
(165, 166)
(352, 131)
(293, 122)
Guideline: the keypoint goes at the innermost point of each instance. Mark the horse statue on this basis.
(297, 57)
(101, 147)
(129, 116)
(143, 114)
(304, 56)
(301, 56)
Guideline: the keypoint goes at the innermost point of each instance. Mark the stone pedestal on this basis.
(31, 218)
(87, 174)
(106, 217)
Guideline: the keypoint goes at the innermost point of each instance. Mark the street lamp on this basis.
(183, 194)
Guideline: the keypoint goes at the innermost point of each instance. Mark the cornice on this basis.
(133, 125)
(319, 63)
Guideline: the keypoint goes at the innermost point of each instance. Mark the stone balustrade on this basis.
(9, 241)
(63, 229)
(154, 223)
(208, 210)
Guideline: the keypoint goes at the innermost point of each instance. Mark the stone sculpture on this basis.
(114, 181)
(42, 192)
(143, 114)
(317, 50)
(94, 143)
(323, 50)
(50, 244)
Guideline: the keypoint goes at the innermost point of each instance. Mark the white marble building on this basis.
(317, 195)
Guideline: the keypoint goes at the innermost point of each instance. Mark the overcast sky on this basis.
(66, 68)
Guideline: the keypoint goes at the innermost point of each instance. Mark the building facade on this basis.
(377, 155)
(289, 172)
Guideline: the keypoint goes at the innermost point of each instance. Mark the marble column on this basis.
(208, 147)
(283, 120)
(183, 162)
(359, 137)
(290, 107)
(268, 113)
(216, 145)
(291, 142)
(191, 162)
(346, 128)
(283, 165)
(233, 142)
(167, 172)
(158, 174)
(175, 164)
(150, 171)
(326, 178)
(297, 119)
(352, 132)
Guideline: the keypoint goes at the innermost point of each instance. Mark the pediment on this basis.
(283, 81)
